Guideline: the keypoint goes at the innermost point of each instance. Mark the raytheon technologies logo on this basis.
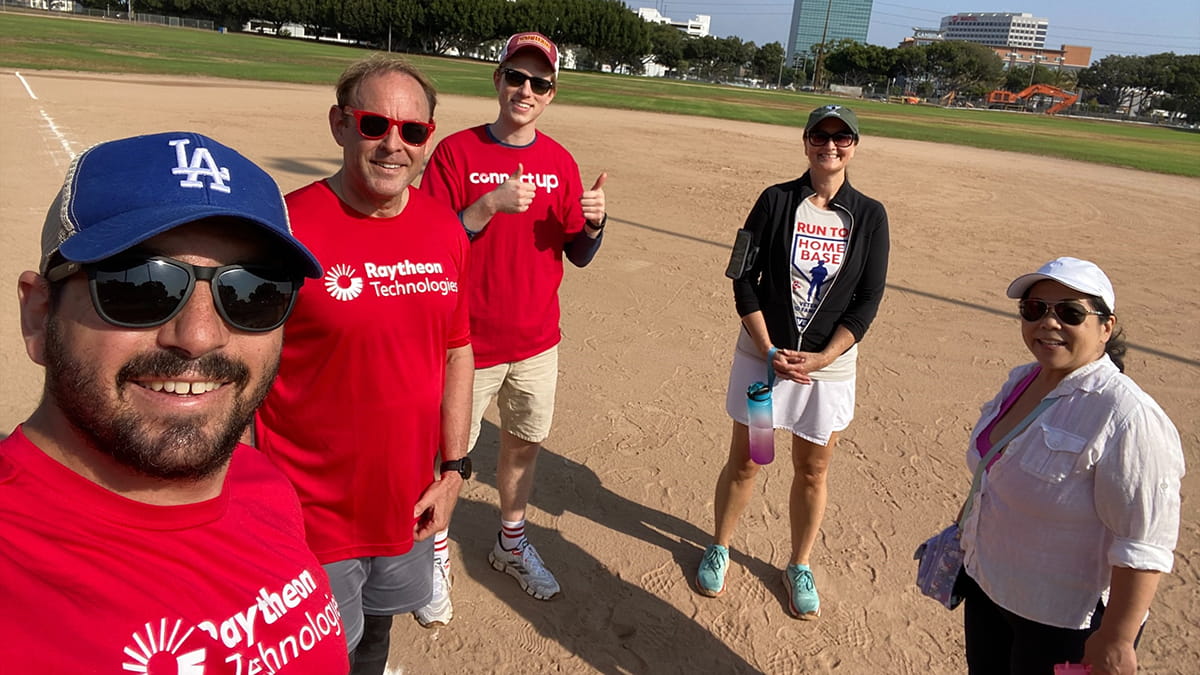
(157, 653)
(342, 283)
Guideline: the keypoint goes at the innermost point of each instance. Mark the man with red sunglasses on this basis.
(138, 534)
(522, 203)
(374, 387)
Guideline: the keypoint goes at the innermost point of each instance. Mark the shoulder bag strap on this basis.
(983, 463)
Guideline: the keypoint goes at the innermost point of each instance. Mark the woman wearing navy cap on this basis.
(808, 273)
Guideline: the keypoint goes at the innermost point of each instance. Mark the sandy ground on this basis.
(623, 505)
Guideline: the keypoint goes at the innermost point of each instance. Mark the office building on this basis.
(996, 29)
(834, 20)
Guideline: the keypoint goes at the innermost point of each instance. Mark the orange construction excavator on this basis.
(1062, 99)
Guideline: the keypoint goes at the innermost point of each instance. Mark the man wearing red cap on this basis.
(520, 198)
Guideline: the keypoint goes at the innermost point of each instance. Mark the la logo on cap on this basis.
(201, 164)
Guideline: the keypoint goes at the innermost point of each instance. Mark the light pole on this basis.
(821, 47)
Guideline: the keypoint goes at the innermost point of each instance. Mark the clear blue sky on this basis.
(1107, 26)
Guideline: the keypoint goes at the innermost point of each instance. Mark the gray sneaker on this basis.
(440, 609)
(526, 566)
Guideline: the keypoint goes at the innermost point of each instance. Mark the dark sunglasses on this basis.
(842, 139)
(1069, 312)
(143, 292)
(373, 126)
(516, 78)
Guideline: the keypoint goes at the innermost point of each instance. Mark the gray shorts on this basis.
(381, 586)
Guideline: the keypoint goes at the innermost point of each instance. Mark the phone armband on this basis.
(743, 255)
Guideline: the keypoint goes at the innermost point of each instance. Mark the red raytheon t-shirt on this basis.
(516, 261)
(354, 416)
(93, 582)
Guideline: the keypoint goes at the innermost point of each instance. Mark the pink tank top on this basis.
(983, 442)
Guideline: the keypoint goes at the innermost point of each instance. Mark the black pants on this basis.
(370, 656)
(1002, 643)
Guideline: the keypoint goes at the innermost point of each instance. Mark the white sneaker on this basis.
(440, 609)
(526, 566)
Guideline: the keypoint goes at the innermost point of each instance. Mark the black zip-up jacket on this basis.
(853, 298)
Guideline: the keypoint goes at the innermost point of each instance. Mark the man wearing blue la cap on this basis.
(139, 534)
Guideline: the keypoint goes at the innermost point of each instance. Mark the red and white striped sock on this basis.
(441, 548)
(511, 534)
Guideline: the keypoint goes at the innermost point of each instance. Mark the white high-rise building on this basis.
(996, 29)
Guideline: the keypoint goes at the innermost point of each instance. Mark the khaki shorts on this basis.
(524, 392)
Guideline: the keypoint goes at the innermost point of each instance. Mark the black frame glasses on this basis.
(373, 126)
(1069, 312)
(841, 139)
(515, 78)
(149, 291)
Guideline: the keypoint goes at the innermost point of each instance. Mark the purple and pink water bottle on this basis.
(762, 420)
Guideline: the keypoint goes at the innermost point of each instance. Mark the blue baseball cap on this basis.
(120, 193)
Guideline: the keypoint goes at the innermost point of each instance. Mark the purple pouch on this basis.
(941, 559)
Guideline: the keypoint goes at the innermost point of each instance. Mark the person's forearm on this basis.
(456, 402)
(1129, 599)
(756, 325)
(476, 216)
(842, 340)
(582, 247)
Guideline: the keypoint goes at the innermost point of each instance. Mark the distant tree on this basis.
(767, 62)
(666, 46)
(1114, 80)
(855, 63)
(1183, 97)
(956, 65)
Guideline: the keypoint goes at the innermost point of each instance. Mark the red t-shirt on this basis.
(94, 582)
(354, 416)
(516, 261)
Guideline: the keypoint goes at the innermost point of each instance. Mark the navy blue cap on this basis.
(120, 193)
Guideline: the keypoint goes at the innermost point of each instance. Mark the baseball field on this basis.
(623, 504)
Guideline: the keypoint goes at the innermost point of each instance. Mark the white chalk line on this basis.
(62, 139)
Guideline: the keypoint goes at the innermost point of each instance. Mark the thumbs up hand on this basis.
(593, 201)
(514, 195)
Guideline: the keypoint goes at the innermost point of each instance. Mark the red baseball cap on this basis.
(531, 40)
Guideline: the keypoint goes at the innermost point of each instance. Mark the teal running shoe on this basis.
(802, 592)
(710, 580)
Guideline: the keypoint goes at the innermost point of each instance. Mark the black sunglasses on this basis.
(143, 292)
(516, 78)
(842, 139)
(1069, 312)
(373, 126)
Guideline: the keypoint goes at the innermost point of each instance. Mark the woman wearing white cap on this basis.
(1077, 516)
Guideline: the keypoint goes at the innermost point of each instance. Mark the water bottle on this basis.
(762, 428)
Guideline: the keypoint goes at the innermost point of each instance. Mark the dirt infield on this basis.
(623, 505)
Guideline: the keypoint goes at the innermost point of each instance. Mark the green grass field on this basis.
(48, 42)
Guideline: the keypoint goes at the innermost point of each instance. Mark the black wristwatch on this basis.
(462, 466)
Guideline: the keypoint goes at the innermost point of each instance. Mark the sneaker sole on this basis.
(501, 566)
(795, 612)
(434, 623)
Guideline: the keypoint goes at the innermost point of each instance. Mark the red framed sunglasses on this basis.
(373, 126)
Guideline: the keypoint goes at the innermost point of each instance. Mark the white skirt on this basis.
(811, 411)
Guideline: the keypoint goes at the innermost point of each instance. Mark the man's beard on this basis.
(183, 450)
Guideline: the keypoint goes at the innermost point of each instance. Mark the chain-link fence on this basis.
(59, 6)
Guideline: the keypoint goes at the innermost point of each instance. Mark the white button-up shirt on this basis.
(1091, 484)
